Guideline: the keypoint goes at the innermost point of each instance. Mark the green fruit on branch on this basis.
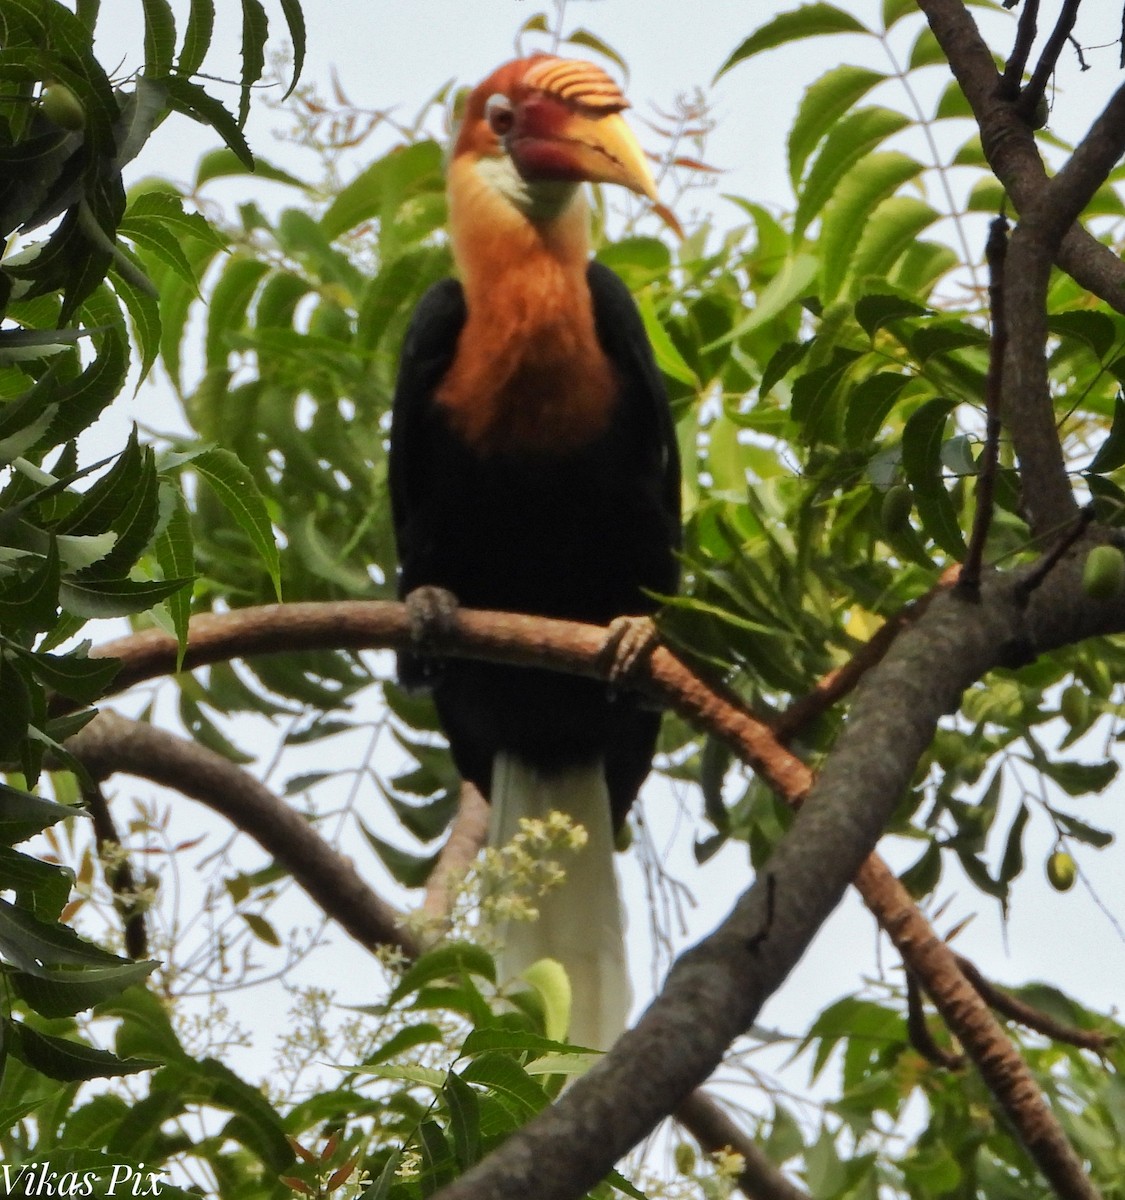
(1061, 871)
(897, 504)
(62, 106)
(1104, 573)
(1074, 705)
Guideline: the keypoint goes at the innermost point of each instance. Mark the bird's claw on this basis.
(430, 612)
(628, 643)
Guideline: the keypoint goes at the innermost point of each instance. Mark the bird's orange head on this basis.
(539, 126)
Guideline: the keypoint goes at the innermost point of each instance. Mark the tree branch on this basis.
(729, 974)
(1032, 1018)
(732, 972)
(1009, 145)
(112, 743)
(467, 836)
(118, 873)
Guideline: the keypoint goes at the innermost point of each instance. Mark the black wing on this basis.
(622, 334)
(427, 352)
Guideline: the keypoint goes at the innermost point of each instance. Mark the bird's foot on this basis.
(629, 642)
(430, 612)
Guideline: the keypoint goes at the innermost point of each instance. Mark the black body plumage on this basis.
(580, 535)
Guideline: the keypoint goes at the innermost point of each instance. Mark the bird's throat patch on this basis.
(530, 398)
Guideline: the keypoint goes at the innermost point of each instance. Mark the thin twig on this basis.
(838, 683)
(1037, 86)
(995, 252)
(1033, 1018)
(1039, 572)
(920, 1036)
(1021, 50)
(118, 873)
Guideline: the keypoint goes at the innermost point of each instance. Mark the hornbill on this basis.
(534, 469)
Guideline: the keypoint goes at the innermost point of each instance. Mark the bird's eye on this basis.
(498, 113)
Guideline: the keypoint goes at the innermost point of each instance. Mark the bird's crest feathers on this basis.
(577, 82)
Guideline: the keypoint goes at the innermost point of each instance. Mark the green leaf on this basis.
(41, 888)
(190, 99)
(1081, 831)
(1079, 779)
(230, 299)
(378, 191)
(822, 105)
(71, 675)
(787, 356)
(810, 20)
(114, 597)
(851, 139)
(255, 1124)
(856, 197)
(144, 313)
(550, 982)
(22, 814)
(505, 1078)
(255, 31)
(922, 441)
(878, 309)
(224, 163)
(922, 877)
(583, 37)
(817, 396)
(30, 601)
(934, 338)
(464, 1119)
(422, 1034)
(162, 243)
(197, 37)
(411, 870)
(134, 524)
(668, 357)
(168, 209)
(142, 110)
(1096, 329)
(295, 18)
(953, 103)
(1011, 864)
(926, 51)
(38, 946)
(145, 1029)
(261, 928)
(206, 732)
(1111, 453)
(175, 552)
(895, 10)
(449, 961)
(160, 37)
(64, 991)
(236, 490)
(868, 406)
(788, 285)
(61, 1058)
(893, 228)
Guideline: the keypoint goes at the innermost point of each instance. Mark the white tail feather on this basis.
(580, 923)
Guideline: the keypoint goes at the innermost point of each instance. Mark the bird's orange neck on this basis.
(529, 372)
